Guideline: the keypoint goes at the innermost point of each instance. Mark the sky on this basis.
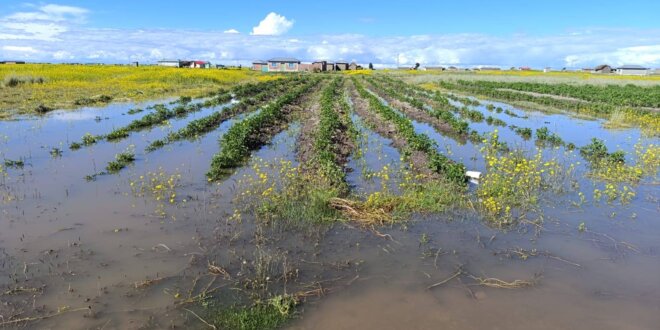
(467, 33)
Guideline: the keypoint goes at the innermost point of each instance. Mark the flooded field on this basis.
(243, 216)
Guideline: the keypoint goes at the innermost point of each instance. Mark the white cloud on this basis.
(62, 55)
(231, 31)
(46, 23)
(273, 25)
(55, 33)
(53, 13)
(19, 49)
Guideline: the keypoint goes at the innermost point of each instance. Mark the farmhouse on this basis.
(341, 66)
(603, 68)
(260, 65)
(170, 63)
(200, 64)
(636, 70)
(283, 64)
(323, 66)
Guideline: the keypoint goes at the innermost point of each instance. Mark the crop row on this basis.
(439, 163)
(249, 102)
(627, 95)
(245, 136)
(412, 97)
(490, 90)
(331, 125)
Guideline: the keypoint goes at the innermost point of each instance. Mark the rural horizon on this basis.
(84, 33)
(265, 165)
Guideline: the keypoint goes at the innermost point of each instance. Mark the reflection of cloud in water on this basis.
(64, 115)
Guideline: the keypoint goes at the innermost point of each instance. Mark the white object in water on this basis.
(473, 176)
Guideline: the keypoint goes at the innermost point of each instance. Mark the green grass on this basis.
(257, 317)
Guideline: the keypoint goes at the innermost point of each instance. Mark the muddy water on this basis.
(90, 243)
(376, 157)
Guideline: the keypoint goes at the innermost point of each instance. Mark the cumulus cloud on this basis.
(51, 12)
(56, 34)
(45, 23)
(273, 25)
(231, 31)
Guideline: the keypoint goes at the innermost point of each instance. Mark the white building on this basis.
(636, 70)
(170, 63)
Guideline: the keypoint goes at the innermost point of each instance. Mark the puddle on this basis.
(96, 243)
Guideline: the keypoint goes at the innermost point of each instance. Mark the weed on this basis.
(120, 162)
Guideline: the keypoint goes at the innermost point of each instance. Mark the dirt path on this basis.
(343, 144)
(310, 121)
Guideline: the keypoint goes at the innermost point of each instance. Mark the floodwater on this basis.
(129, 259)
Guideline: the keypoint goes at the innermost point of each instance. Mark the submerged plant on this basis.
(121, 161)
(513, 181)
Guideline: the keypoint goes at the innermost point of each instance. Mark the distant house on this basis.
(636, 70)
(200, 64)
(354, 66)
(452, 68)
(283, 64)
(12, 62)
(603, 68)
(322, 66)
(489, 68)
(525, 68)
(341, 66)
(259, 65)
(435, 68)
(307, 67)
(170, 63)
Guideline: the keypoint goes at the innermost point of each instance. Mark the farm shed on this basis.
(259, 65)
(354, 66)
(200, 64)
(603, 68)
(170, 63)
(341, 66)
(322, 66)
(283, 64)
(636, 70)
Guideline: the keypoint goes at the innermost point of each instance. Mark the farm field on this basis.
(40, 88)
(236, 200)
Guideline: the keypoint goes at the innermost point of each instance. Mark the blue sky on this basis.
(537, 33)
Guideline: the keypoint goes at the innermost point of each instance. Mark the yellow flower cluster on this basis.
(512, 180)
(160, 186)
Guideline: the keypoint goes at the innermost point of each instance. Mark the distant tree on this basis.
(416, 66)
(371, 66)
